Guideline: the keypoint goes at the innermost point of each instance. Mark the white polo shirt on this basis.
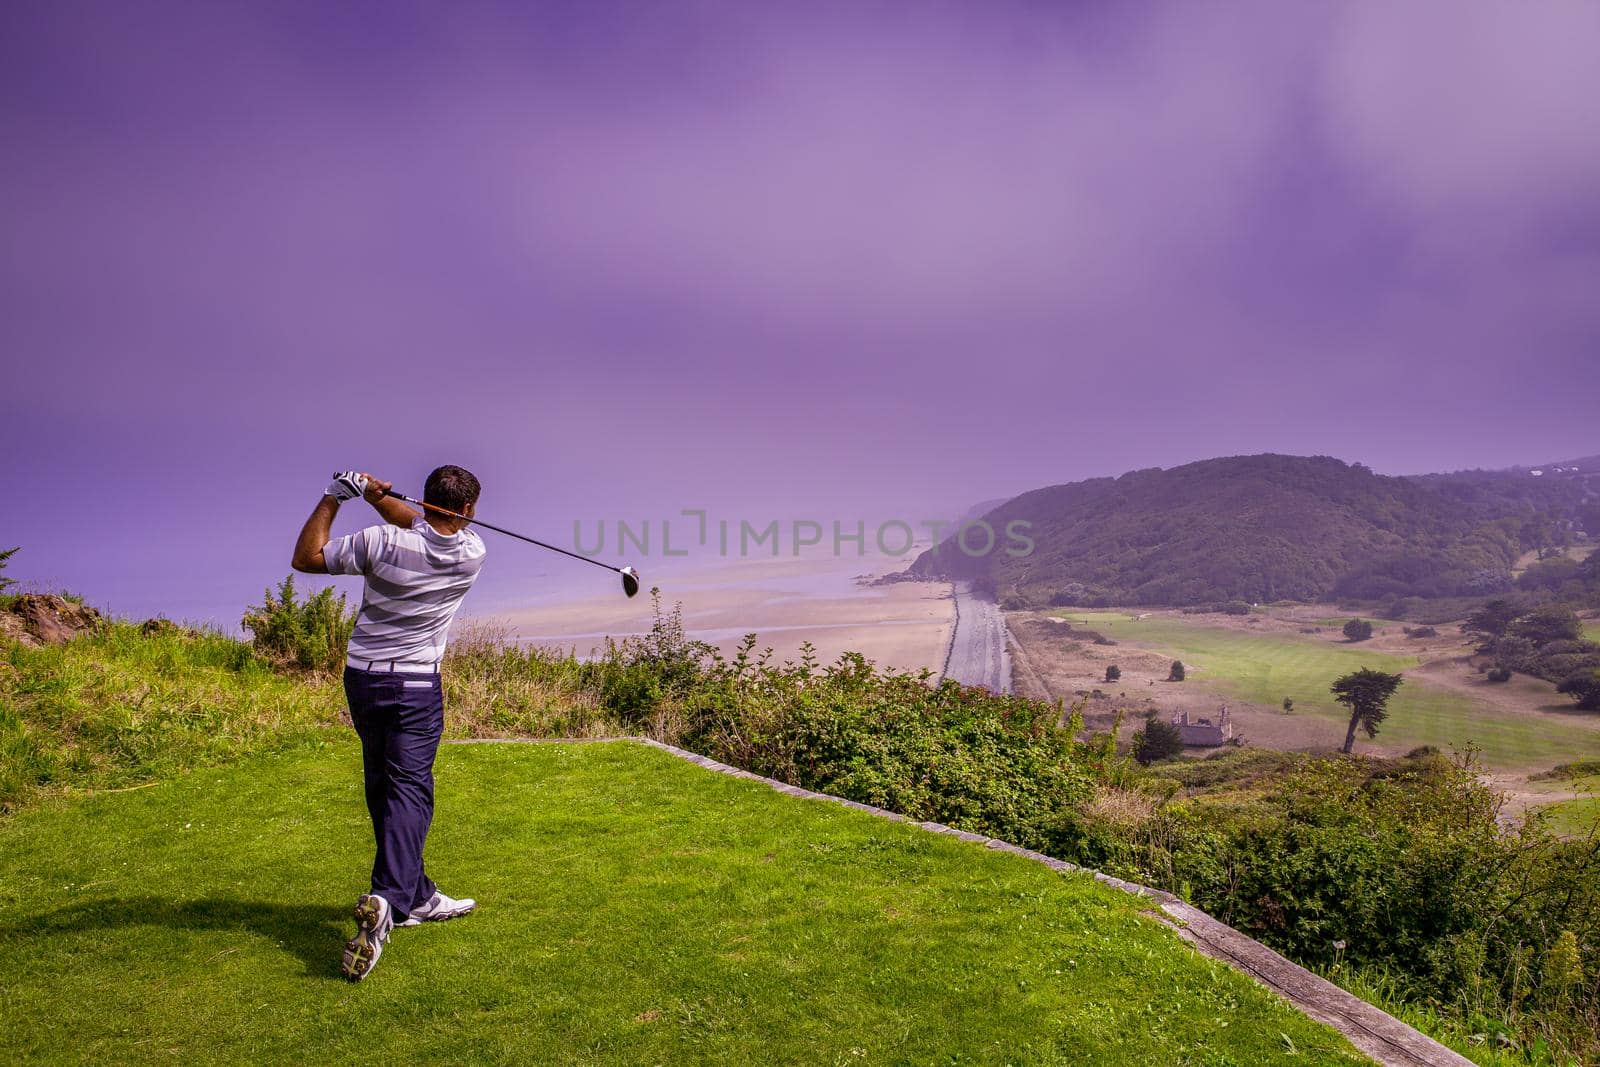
(415, 581)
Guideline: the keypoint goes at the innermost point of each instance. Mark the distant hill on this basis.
(1273, 527)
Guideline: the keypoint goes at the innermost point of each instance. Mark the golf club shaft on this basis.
(497, 529)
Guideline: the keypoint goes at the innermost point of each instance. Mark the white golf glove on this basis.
(346, 485)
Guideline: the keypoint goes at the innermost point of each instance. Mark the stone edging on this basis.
(1371, 1030)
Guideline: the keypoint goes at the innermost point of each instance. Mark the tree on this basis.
(1553, 622)
(1549, 574)
(1366, 693)
(1113, 672)
(1157, 741)
(1584, 688)
(1492, 619)
(1358, 629)
(1176, 674)
(4, 581)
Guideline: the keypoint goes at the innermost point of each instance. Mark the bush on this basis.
(1235, 607)
(1417, 632)
(1158, 740)
(1357, 630)
(1396, 866)
(1499, 674)
(1288, 704)
(1176, 674)
(311, 634)
(1583, 688)
(993, 764)
(1113, 673)
(6, 554)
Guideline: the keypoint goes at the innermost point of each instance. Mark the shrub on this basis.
(1357, 630)
(1288, 704)
(963, 756)
(1236, 607)
(1113, 673)
(6, 554)
(1416, 632)
(1158, 740)
(1583, 688)
(1176, 674)
(311, 634)
(1395, 866)
(1499, 674)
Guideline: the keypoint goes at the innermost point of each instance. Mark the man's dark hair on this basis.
(451, 488)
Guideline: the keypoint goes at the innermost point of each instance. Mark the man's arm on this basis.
(314, 535)
(394, 512)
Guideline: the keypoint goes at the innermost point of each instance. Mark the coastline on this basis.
(827, 602)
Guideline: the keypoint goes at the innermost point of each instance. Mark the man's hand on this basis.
(346, 485)
(394, 512)
(375, 488)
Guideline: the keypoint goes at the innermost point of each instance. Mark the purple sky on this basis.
(774, 260)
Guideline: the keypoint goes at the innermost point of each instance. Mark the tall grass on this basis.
(120, 707)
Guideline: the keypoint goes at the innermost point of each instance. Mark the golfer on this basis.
(417, 569)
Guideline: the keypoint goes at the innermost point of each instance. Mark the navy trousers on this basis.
(400, 718)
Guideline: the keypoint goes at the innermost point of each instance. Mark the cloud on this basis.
(1466, 107)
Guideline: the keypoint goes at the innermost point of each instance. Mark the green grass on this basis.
(634, 908)
(1573, 818)
(120, 708)
(1264, 668)
(1481, 1039)
(1578, 816)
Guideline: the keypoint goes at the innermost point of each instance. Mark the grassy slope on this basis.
(635, 908)
(1265, 668)
(119, 708)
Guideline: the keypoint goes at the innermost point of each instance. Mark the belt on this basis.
(391, 666)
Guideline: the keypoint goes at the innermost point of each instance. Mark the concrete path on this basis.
(978, 653)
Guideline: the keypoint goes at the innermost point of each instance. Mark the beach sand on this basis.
(785, 602)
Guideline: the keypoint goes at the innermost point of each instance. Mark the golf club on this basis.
(630, 577)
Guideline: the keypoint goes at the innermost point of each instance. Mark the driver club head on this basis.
(630, 580)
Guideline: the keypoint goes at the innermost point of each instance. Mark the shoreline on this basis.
(829, 603)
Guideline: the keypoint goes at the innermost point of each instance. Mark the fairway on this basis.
(1577, 815)
(634, 908)
(1263, 668)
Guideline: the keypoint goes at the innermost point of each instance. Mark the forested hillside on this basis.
(1272, 527)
